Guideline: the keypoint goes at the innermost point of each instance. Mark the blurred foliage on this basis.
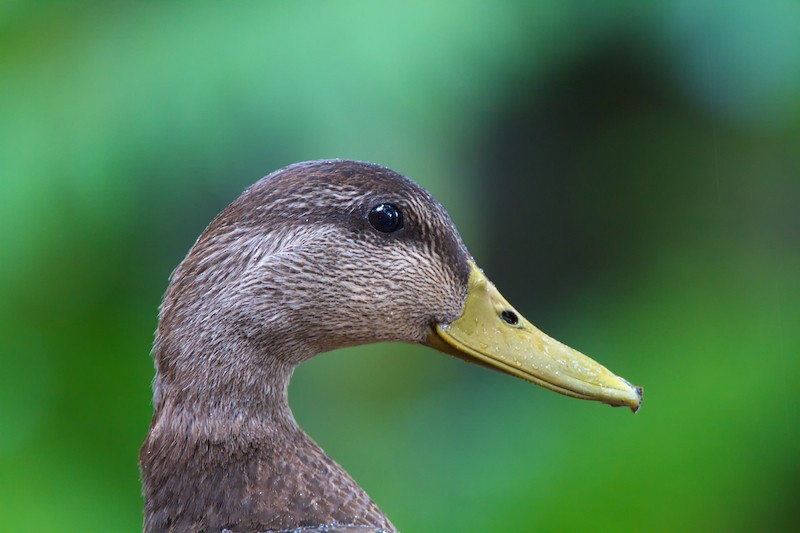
(627, 173)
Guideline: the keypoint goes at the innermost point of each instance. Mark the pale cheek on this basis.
(369, 294)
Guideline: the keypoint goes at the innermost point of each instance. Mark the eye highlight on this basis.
(385, 218)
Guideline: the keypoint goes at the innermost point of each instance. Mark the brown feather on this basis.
(290, 269)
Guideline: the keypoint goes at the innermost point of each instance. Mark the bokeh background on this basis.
(627, 173)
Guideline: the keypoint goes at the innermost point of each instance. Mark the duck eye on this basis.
(385, 218)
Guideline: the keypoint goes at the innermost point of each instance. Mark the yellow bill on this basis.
(492, 333)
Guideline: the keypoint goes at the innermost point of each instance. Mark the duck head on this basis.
(316, 256)
(327, 254)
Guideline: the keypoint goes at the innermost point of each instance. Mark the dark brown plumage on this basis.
(314, 257)
(289, 270)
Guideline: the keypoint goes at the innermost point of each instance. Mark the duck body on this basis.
(316, 256)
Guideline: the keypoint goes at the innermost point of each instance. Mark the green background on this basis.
(627, 173)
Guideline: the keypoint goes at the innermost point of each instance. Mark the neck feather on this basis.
(241, 463)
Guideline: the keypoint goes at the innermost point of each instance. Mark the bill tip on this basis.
(639, 394)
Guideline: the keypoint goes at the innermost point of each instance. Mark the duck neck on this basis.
(219, 405)
(241, 463)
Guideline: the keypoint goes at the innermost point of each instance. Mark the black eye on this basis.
(385, 218)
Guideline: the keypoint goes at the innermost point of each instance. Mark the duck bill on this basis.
(492, 333)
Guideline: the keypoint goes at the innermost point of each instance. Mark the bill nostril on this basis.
(510, 317)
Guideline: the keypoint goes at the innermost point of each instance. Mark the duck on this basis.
(315, 256)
